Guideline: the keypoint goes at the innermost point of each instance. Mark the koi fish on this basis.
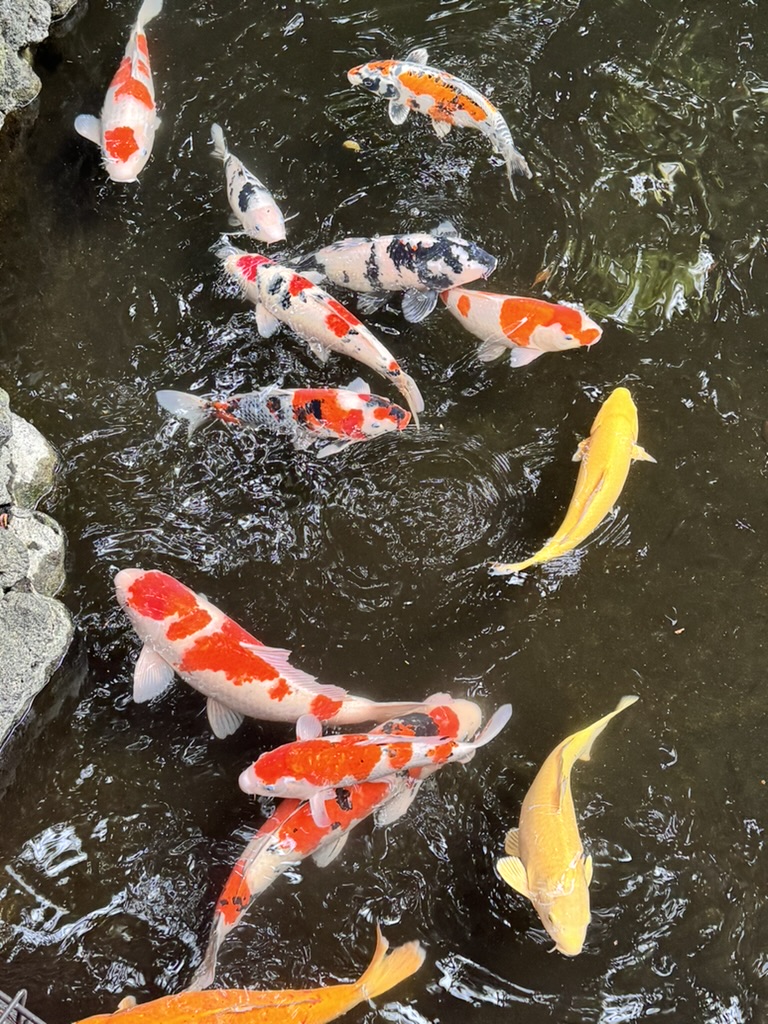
(291, 833)
(307, 415)
(411, 84)
(280, 294)
(248, 1006)
(605, 458)
(252, 203)
(126, 130)
(184, 633)
(315, 766)
(524, 327)
(419, 265)
(546, 861)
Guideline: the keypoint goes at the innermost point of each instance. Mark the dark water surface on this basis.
(645, 124)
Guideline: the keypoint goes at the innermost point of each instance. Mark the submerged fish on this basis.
(546, 861)
(315, 766)
(184, 633)
(525, 328)
(308, 1006)
(411, 84)
(420, 265)
(281, 295)
(605, 457)
(126, 130)
(252, 203)
(309, 416)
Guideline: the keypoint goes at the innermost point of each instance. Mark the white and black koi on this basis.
(253, 205)
(420, 265)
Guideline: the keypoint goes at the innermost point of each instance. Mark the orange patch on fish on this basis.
(447, 99)
(189, 624)
(279, 690)
(463, 305)
(221, 409)
(399, 754)
(445, 719)
(324, 707)
(235, 896)
(141, 44)
(223, 651)
(158, 596)
(249, 265)
(298, 284)
(120, 143)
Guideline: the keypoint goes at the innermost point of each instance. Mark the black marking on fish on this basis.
(417, 722)
(245, 196)
(314, 408)
(344, 799)
(372, 275)
(276, 285)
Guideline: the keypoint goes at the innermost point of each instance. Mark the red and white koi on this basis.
(411, 84)
(126, 130)
(253, 205)
(291, 834)
(281, 295)
(315, 766)
(184, 633)
(524, 327)
(309, 416)
(420, 265)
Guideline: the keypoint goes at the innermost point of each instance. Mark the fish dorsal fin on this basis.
(278, 657)
(512, 842)
(578, 747)
(512, 870)
(397, 806)
(639, 454)
(588, 869)
(581, 450)
(359, 386)
(308, 728)
(151, 676)
(223, 720)
(417, 56)
(330, 851)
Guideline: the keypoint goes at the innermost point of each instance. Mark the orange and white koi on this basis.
(291, 834)
(315, 766)
(184, 633)
(309, 416)
(281, 295)
(253, 205)
(250, 1006)
(526, 328)
(126, 130)
(411, 84)
(420, 265)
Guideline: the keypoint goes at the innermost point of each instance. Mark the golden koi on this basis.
(605, 459)
(310, 1006)
(546, 861)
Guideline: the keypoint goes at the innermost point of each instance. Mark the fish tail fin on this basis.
(507, 568)
(149, 10)
(308, 262)
(219, 145)
(495, 724)
(410, 391)
(386, 971)
(513, 158)
(579, 746)
(205, 974)
(187, 407)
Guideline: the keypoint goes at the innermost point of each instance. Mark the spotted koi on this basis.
(523, 327)
(125, 132)
(184, 633)
(411, 84)
(253, 205)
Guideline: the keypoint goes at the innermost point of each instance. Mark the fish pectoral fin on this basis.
(318, 808)
(308, 728)
(318, 350)
(512, 870)
(359, 386)
(418, 305)
(522, 355)
(397, 806)
(441, 128)
(266, 324)
(89, 127)
(418, 56)
(151, 676)
(492, 348)
(333, 447)
(223, 720)
(398, 111)
(512, 842)
(367, 304)
(581, 450)
(588, 869)
(278, 657)
(330, 851)
(639, 454)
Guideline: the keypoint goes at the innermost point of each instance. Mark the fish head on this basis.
(460, 720)
(446, 261)
(265, 224)
(251, 783)
(149, 594)
(620, 411)
(126, 150)
(375, 77)
(245, 265)
(566, 915)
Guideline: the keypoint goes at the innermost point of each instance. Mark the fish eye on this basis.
(368, 83)
(569, 337)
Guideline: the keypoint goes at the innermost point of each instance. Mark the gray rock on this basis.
(33, 462)
(6, 471)
(14, 560)
(5, 418)
(35, 633)
(45, 545)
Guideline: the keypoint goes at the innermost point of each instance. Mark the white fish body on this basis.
(253, 205)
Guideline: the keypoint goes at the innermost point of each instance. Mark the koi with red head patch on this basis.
(411, 84)
(184, 633)
(315, 766)
(280, 295)
(524, 327)
(309, 416)
(126, 130)
(291, 834)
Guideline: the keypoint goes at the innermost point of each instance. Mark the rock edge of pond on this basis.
(35, 629)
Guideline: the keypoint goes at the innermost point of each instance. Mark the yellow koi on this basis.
(546, 861)
(605, 458)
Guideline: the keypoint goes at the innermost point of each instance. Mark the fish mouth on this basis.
(124, 580)
(248, 782)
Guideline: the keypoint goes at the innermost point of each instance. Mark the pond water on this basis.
(645, 124)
